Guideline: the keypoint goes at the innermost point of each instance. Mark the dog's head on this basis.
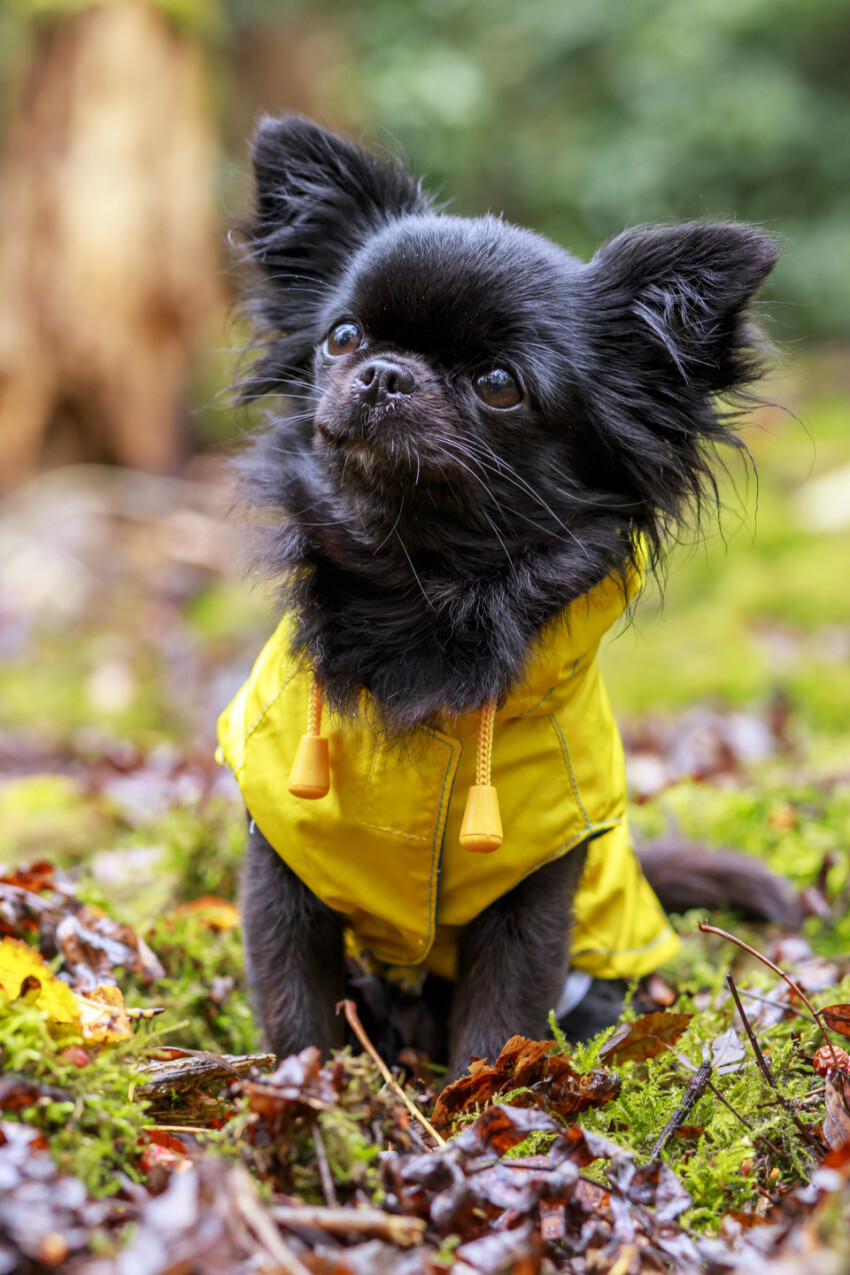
(465, 395)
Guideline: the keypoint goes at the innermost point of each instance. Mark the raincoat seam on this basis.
(432, 911)
(595, 830)
(257, 722)
(552, 688)
(569, 762)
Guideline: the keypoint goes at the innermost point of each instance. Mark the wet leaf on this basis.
(837, 1018)
(216, 913)
(33, 877)
(19, 963)
(103, 1016)
(728, 1053)
(836, 1125)
(647, 1037)
(94, 945)
(526, 1064)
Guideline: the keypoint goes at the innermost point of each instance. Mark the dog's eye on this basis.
(497, 388)
(344, 338)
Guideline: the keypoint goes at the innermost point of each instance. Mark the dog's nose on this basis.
(381, 380)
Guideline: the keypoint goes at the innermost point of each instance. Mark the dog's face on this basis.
(485, 363)
(479, 425)
(446, 359)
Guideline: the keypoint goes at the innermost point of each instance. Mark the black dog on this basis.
(475, 428)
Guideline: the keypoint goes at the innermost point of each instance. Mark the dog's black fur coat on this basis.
(423, 538)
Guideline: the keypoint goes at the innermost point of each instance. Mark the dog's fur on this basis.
(421, 538)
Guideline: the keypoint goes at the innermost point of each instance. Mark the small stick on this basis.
(261, 1225)
(712, 929)
(325, 1175)
(350, 1010)
(177, 1128)
(765, 1070)
(789, 1009)
(694, 1090)
(402, 1230)
(771, 1146)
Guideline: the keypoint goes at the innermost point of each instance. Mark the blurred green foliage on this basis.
(582, 117)
(576, 117)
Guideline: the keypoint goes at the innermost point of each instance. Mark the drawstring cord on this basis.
(310, 776)
(481, 829)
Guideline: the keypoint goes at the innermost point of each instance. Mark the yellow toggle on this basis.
(311, 773)
(481, 830)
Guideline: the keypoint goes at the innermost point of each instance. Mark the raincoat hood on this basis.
(382, 848)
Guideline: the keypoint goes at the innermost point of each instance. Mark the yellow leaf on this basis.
(104, 1016)
(210, 910)
(19, 962)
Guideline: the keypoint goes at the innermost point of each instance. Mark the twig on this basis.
(261, 1224)
(176, 1128)
(724, 934)
(789, 1009)
(694, 1090)
(771, 1146)
(726, 1103)
(765, 1070)
(350, 1010)
(325, 1175)
(397, 1229)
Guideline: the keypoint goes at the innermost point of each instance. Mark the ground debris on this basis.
(551, 1081)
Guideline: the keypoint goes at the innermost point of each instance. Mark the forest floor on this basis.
(143, 1130)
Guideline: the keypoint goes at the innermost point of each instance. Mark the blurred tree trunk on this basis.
(107, 252)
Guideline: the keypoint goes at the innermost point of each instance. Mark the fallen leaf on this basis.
(210, 910)
(836, 1125)
(20, 962)
(30, 876)
(647, 1037)
(837, 1018)
(92, 945)
(103, 1016)
(526, 1064)
(727, 1052)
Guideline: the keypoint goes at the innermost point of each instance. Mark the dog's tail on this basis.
(686, 875)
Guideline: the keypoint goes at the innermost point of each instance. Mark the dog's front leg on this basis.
(512, 963)
(294, 954)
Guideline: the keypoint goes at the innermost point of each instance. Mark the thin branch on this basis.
(325, 1175)
(771, 1146)
(765, 1070)
(724, 934)
(788, 1009)
(398, 1229)
(350, 1010)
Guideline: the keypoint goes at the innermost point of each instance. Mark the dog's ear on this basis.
(318, 198)
(669, 347)
(673, 299)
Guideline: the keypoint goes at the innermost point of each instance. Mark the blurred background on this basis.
(125, 618)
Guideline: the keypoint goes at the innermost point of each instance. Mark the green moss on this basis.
(204, 988)
(94, 1134)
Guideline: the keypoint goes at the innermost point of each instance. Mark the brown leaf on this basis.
(553, 1221)
(31, 876)
(837, 1018)
(647, 1037)
(92, 945)
(836, 1125)
(210, 910)
(526, 1064)
(18, 1092)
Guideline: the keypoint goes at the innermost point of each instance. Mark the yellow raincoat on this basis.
(382, 847)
